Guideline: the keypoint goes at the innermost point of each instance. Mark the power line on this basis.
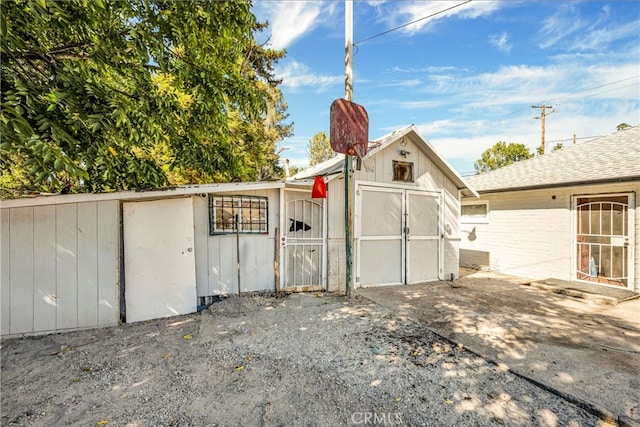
(571, 139)
(409, 23)
(598, 87)
(583, 91)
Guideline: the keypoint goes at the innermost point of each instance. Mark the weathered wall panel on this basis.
(60, 266)
(336, 266)
(67, 265)
(636, 271)
(5, 289)
(451, 232)
(87, 264)
(108, 262)
(21, 270)
(216, 256)
(44, 270)
(201, 231)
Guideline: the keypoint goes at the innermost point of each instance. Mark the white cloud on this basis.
(559, 26)
(290, 20)
(409, 11)
(411, 105)
(501, 41)
(403, 83)
(598, 39)
(431, 69)
(593, 33)
(296, 75)
(490, 107)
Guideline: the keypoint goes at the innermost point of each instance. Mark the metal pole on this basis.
(348, 160)
(542, 115)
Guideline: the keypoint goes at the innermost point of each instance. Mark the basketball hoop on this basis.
(349, 133)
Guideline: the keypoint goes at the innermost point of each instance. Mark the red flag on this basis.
(319, 190)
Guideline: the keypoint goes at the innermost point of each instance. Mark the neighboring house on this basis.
(88, 260)
(572, 214)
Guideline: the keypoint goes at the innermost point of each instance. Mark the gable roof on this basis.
(335, 165)
(610, 158)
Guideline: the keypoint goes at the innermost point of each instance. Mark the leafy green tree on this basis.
(110, 95)
(623, 126)
(257, 141)
(319, 148)
(500, 155)
(558, 146)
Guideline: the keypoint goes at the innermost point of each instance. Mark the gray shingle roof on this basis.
(610, 158)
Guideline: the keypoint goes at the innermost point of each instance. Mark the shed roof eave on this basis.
(170, 192)
(560, 185)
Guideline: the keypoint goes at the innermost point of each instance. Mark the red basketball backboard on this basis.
(349, 133)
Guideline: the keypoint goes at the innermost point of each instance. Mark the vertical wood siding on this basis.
(5, 288)
(44, 268)
(216, 264)
(60, 267)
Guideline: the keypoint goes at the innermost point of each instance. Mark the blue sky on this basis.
(467, 77)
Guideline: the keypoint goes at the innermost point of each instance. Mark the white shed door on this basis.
(381, 245)
(399, 236)
(160, 274)
(423, 236)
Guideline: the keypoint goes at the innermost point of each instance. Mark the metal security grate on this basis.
(242, 214)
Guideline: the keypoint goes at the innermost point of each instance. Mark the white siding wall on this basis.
(336, 250)
(216, 260)
(451, 231)
(530, 234)
(60, 267)
(636, 270)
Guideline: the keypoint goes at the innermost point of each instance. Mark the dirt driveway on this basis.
(296, 360)
(587, 351)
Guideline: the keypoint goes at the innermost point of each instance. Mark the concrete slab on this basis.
(601, 294)
(580, 349)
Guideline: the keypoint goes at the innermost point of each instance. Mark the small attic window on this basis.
(402, 171)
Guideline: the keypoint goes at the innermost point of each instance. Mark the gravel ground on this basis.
(295, 360)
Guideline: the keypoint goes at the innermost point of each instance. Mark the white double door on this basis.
(399, 237)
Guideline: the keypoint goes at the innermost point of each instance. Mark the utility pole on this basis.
(543, 114)
(348, 160)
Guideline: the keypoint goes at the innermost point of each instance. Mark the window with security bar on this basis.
(238, 214)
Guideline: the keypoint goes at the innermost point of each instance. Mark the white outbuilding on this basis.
(79, 261)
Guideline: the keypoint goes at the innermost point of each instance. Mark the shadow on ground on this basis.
(586, 351)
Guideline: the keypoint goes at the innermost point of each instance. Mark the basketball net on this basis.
(368, 162)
